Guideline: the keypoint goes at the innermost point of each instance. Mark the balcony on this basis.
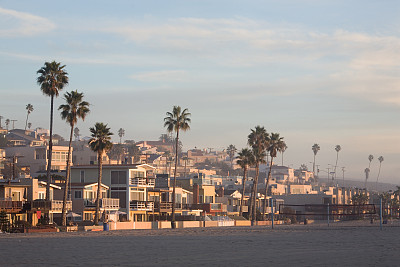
(142, 182)
(10, 206)
(138, 205)
(50, 205)
(105, 203)
(167, 206)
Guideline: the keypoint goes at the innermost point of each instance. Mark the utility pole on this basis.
(13, 122)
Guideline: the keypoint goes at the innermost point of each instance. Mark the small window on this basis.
(82, 176)
(78, 194)
(88, 216)
(42, 195)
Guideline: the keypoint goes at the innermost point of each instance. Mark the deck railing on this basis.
(51, 205)
(9, 205)
(141, 181)
(142, 205)
(105, 203)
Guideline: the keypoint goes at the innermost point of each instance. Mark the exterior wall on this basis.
(83, 155)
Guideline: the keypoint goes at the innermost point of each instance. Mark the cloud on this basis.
(160, 76)
(19, 24)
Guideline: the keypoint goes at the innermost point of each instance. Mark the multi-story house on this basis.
(129, 183)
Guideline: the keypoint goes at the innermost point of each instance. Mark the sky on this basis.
(323, 72)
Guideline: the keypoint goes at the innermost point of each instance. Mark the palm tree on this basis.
(315, 148)
(245, 159)
(29, 109)
(370, 158)
(258, 140)
(29, 125)
(276, 145)
(100, 143)
(174, 122)
(121, 133)
(185, 159)
(7, 123)
(231, 150)
(366, 171)
(337, 148)
(379, 171)
(74, 109)
(283, 151)
(52, 79)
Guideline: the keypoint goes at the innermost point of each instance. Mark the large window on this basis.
(138, 194)
(137, 174)
(118, 177)
(208, 199)
(82, 176)
(59, 156)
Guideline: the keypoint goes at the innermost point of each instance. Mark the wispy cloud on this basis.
(160, 76)
(16, 24)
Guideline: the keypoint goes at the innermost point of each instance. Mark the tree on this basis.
(29, 125)
(231, 150)
(258, 141)
(74, 109)
(337, 149)
(275, 145)
(29, 109)
(7, 123)
(315, 148)
(134, 151)
(381, 159)
(174, 122)
(116, 153)
(366, 171)
(52, 79)
(121, 133)
(245, 159)
(100, 143)
(370, 158)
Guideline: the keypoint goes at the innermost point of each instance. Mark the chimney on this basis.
(196, 192)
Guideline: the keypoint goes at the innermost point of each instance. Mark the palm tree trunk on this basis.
(254, 202)
(100, 159)
(377, 177)
(243, 191)
(266, 188)
(64, 219)
(337, 157)
(173, 225)
(313, 167)
(50, 154)
(26, 122)
(185, 168)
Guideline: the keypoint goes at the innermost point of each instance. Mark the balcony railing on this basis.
(141, 181)
(142, 205)
(167, 206)
(11, 206)
(50, 205)
(105, 203)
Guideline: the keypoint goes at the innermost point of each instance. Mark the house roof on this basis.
(115, 166)
(87, 185)
(51, 185)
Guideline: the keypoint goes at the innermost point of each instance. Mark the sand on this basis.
(345, 244)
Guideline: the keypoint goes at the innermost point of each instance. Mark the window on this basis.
(78, 194)
(89, 194)
(78, 219)
(137, 174)
(82, 176)
(209, 199)
(88, 216)
(41, 195)
(138, 194)
(103, 194)
(118, 177)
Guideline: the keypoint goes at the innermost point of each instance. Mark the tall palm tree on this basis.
(315, 148)
(283, 151)
(176, 121)
(366, 171)
(100, 143)
(7, 123)
(258, 141)
(337, 149)
(121, 133)
(275, 145)
(370, 158)
(379, 171)
(29, 109)
(245, 159)
(52, 79)
(74, 109)
(231, 150)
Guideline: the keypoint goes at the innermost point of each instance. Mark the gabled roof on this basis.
(87, 185)
(51, 185)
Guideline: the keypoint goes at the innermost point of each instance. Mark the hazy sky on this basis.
(323, 72)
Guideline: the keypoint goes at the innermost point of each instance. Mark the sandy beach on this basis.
(300, 245)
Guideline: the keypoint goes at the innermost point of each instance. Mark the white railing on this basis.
(105, 203)
(141, 181)
(142, 205)
(51, 205)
